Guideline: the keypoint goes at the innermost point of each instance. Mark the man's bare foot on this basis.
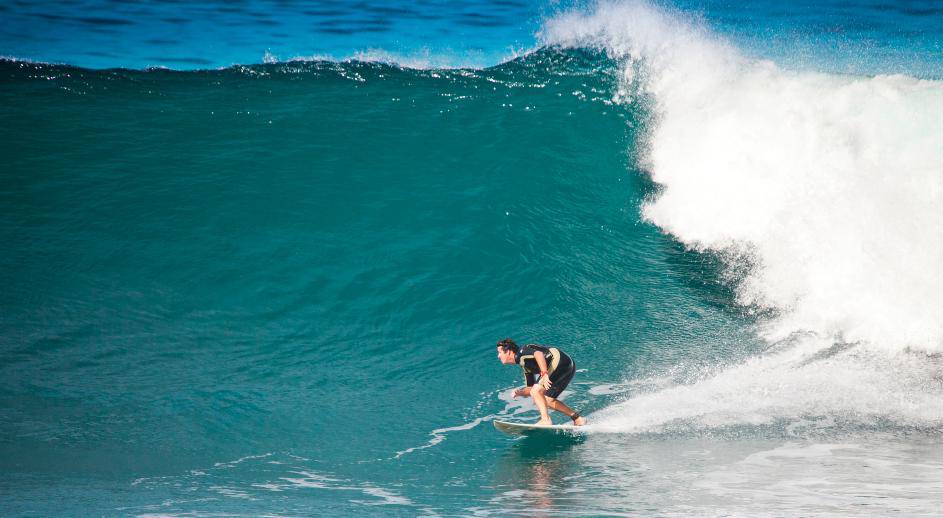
(546, 422)
(579, 421)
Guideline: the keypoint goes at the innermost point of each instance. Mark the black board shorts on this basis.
(561, 377)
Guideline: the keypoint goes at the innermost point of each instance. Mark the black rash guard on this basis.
(560, 367)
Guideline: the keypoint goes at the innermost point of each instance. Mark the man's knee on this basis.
(536, 390)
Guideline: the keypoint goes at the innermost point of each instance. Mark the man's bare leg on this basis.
(537, 393)
(560, 406)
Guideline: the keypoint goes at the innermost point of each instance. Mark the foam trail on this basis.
(785, 388)
(831, 186)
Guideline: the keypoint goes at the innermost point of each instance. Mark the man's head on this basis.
(507, 351)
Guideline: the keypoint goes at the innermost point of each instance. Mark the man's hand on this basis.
(545, 382)
(520, 392)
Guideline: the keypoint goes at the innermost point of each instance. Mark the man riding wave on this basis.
(547, 371)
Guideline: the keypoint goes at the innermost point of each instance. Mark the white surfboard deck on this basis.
(528, 428)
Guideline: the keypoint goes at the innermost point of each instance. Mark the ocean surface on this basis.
(256, 257)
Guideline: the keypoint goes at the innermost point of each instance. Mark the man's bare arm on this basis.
(542, 363)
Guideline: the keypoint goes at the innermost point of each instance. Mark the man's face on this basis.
(506, 356)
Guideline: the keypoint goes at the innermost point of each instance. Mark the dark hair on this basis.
(507, 343)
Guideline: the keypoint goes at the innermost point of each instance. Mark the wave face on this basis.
(275, 289)
(823, 195)
(303, 267)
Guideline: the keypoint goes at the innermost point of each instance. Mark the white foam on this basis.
(831, 185)
(854, 385)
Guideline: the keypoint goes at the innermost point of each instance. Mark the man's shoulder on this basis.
(530, 348)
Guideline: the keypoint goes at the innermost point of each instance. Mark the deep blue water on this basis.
(873, 36)
(275, 287)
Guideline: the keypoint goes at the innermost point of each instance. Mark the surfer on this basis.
(547, 371)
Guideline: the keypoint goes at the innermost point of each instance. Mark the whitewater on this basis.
(822, 193)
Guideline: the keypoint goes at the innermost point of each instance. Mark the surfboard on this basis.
(529, 428)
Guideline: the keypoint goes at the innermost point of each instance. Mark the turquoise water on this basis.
(276, 288)
(214, 271)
